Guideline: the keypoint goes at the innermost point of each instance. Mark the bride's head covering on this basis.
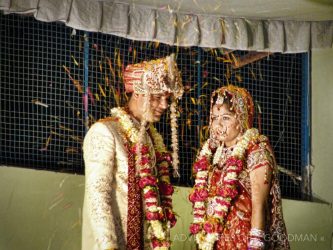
(240, 102)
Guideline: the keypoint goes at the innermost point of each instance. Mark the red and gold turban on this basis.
(241, 103)
(157, 77)
(154, 77)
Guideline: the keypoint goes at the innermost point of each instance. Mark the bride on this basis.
(236, 197)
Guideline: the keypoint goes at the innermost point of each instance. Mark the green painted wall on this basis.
(42, 210)
(322, 123)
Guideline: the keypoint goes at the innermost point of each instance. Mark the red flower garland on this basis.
(159, 214)
(210, 214)
(228, 190)
(157, 186)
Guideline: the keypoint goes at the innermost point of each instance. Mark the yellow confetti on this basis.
(253, 75)
(78, 86)
(227, 78)
(97, 97)
(238, 78)
(215, 78)
(228, 74)
(110, 67)
(55, 133)
(201, 99)
(101, 90)
(77, 223)
(217, 6)
(100, 66)
(71, 151)
(75, 82)
(48, 141)
(223, 59)
(37, 102)
(204, 85)
(116, 96)
(134, 55)
(67, 205)
(76, 138)
(119, 60)
(66, 69)
(80, 45)
(107, 80)
(189, 122)
(75, 62)
(234, 59)
(169, 9)
(65, 128)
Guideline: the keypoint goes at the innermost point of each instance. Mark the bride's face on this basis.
(225, 126)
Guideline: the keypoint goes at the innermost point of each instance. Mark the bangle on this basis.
(256, 239)
(257, 233)
(255, 243)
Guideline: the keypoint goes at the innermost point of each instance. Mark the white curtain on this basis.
(139, 22)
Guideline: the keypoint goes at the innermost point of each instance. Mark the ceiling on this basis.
(305, 10)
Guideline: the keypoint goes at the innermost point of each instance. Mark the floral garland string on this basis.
(160, 217)
(210, 213)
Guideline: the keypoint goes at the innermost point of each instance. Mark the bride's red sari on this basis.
(238, 222)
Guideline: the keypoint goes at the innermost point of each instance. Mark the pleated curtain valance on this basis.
(139, 22)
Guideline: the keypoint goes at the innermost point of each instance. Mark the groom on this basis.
(127, 202)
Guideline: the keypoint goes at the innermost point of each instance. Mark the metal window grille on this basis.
(43, 91)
